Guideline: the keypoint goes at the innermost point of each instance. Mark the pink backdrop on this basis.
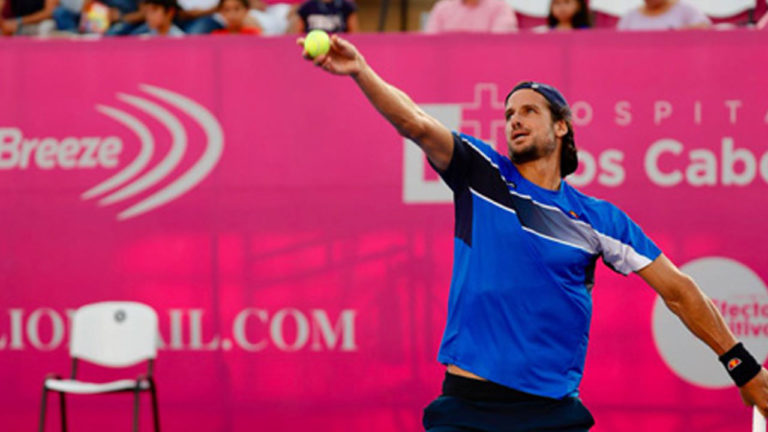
(300, 283)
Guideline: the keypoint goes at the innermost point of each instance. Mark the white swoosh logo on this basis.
(202, 167)
(138, 164)
(185, 182)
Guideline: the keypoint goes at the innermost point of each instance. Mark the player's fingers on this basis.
(319, 59)
(341, 45)
(300, 41)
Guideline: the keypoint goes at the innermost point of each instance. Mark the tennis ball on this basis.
(317, 43)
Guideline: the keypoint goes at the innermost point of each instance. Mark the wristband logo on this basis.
(741, 296)
(733, 364)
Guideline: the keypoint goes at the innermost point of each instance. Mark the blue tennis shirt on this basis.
(520, 302)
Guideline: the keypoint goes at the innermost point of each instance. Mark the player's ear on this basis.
(561, 128)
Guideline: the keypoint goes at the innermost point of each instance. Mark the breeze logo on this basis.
(71, 153)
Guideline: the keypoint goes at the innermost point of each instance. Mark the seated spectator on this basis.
(491, 16)
(664, 15)
(67, 15)
(160, 15)
(235, 13)
(123, 16)
(333, 16)
(199, 16)
(273, 19)
(569, 15)
(28, 17)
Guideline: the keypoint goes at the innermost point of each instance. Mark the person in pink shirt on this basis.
(479, 16)
(664, 15)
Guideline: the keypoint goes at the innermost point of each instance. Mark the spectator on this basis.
(569, 15)
(494, 16)
(28, 17)
(273, 19)
(235, 13)
(333, 16)
(124, 16)
(199, 16)
(664, 15)
(67, 15)
(160, 15)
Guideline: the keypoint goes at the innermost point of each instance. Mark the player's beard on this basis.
(537, 149)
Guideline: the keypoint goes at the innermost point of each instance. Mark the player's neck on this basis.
(543, 172)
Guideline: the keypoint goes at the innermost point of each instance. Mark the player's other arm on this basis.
(410, 121)
(699, 314)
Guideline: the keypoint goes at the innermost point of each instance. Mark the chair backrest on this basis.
(114, 334)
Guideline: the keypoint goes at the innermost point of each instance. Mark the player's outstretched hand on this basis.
(342, 58)
(755, 392)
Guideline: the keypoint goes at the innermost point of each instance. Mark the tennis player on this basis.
(526, 245)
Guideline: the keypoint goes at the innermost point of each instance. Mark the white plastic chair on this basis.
(110, 334)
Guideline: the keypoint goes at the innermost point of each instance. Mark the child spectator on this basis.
(28, 17)
(160, 14)
(569, 15)
(664, 15)
(235, 13)
(479, 16)
(333, 16)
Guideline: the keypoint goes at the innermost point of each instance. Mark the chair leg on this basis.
(136, 410)
(155, 415)
(41, 426)
(63, 409)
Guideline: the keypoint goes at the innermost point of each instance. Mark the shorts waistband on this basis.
(477, 390)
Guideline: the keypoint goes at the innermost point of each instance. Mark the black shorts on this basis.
(468, 405)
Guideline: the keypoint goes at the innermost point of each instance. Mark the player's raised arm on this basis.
(699, 314)
(410, 121)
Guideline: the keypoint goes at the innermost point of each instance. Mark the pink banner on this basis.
(298, 251)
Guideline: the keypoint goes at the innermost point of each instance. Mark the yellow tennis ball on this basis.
(317, 43)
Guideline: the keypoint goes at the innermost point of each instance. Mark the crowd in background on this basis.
(255, 17)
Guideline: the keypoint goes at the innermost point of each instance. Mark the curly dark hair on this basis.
(582, 19)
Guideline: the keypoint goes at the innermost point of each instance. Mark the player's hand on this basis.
(755, 392)
(342, 58)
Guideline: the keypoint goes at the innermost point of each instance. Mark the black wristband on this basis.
(740, 364)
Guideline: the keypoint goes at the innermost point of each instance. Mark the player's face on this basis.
(529, 128)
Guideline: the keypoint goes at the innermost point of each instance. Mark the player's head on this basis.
(539, 124)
